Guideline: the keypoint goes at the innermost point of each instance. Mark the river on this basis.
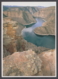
(47, 41)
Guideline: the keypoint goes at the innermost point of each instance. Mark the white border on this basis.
(34, 4)
(2, 46)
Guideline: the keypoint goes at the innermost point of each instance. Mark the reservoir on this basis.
(47, 41)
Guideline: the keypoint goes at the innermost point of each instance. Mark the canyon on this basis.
(20, 57)
(48, 27)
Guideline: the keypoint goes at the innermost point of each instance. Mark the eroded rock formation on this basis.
(9, 35)
(25, 63)
(29, 9)
(48, 27)
(48, 62)
(28, 63)
(22, 17)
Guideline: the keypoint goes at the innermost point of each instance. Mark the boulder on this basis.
(25, 63)
(48, 62)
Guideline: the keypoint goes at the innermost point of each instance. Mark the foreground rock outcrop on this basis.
(28, 63)
(48, 62)
(25, 63)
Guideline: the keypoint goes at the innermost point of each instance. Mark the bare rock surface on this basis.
(9, 35)
(25, 63)
(48, 62)
(48, 27)
(22, 17)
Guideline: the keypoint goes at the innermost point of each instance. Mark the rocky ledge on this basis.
(25, 63)
(28, 63)
(48, 62)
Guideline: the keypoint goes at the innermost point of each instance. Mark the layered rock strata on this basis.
(48, 27)
(22, 17)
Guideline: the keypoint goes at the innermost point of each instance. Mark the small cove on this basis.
(47, 41)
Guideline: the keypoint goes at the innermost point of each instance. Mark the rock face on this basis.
(25, 63)
(45, 13)
(9, 35)
(22, 17)
(29, 9)
(48, 27)
(48, 62)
